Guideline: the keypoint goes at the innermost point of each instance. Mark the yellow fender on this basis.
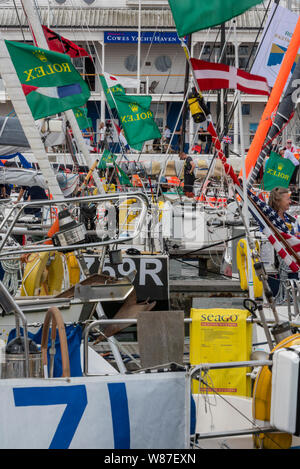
(73, 268)
(52, 284)
(242, 264)
(39, 279)
(261, 403)
(32, 277)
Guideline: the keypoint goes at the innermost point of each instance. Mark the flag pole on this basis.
(188, 58)
(37, 31)
(242, 151)
(139, 48)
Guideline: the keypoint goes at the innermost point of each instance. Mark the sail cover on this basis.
(22, 177)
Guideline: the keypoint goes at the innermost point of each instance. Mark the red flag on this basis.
(60, 44)
(212, 76)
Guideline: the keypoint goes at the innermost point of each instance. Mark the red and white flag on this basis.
(212, 76)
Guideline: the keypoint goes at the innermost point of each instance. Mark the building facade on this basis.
(137, 38)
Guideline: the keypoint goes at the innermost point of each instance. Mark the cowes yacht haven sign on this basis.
(147, 37)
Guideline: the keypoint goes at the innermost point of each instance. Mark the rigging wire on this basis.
(251, 421)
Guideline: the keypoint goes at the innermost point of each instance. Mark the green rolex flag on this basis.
(106, 158)
(110, 92)
(193, 15)
(84, 122)
(277, 173)
(49, 80)
(136, 119)
(123, 178)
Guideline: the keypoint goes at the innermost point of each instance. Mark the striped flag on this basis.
(275, 229)
(212, 76)
(227, 139)
(285, 244)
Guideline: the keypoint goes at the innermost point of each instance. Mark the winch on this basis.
(13, 365)
(70, 231)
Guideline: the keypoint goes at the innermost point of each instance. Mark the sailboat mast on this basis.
(22, 110)
(40, 39)
(139, 47)
(186, 88)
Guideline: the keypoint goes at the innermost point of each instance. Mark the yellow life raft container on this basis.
(44, 275)
(242, 264)
(261, 403)
(127, 215)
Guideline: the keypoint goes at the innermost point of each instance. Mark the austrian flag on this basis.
(212, 76)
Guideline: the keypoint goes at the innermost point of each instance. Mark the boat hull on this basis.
(96, 412)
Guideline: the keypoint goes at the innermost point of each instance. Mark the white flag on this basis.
(126, 82)
(275, 41)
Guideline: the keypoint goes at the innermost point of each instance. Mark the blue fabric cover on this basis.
(74, 335)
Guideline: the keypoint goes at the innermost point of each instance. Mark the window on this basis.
(243, 53)
(243, 62)
(230, 49)
(163, 63)
(243, 50)
(206, 50)
(158, 110)
(252, 129)
(85, 66)
(131, 63)
(246, 109)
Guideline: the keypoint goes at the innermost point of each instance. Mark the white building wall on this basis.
(171, 80)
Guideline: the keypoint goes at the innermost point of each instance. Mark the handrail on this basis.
(19, 207)
(197, 368)
(219, 366)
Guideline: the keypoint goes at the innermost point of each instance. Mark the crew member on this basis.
(189, 175)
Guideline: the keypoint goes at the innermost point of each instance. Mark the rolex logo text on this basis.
(44, 70)
(136, 117)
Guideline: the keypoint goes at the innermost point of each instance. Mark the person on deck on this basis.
(290, 146)
(102, 135)
(189, 176)
(30, 194)
(289, 154)
(280, 201)
(5, 191)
